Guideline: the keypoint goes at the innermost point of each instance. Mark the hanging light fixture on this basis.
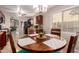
(20, 12)
(40, 8)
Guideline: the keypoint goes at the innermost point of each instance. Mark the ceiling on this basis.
(28, 9)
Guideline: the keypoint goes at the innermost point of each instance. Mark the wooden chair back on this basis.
(72, 44)
(12, 43)
(31, 30)
(56, 31)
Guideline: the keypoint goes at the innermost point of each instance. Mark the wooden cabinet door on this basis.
(3, 39)
(39, 19)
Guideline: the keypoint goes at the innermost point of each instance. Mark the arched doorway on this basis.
(2, 19)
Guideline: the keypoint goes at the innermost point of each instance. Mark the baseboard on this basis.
(76, 51)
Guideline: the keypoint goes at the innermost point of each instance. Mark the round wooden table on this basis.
(49, 45)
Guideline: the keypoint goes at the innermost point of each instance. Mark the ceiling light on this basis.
(40, 8)
(20, 11)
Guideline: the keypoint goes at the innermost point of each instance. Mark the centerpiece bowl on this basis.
(40, 38)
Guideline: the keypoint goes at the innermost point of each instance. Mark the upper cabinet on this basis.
(39, 19)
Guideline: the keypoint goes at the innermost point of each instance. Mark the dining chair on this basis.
(13, 46)
(71, 45)
(2, 40)
(56, 31)
(31, 30)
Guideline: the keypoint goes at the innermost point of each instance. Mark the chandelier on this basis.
(40, 8)
(20, 11)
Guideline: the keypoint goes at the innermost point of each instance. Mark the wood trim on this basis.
(56, 31)
(72, 44)
(12, 43)
(39, 19)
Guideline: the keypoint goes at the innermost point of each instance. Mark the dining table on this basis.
(50, 43)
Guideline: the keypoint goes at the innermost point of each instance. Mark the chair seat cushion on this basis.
(24, 51)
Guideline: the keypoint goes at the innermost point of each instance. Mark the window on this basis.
(70, 21)
(57, 19)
